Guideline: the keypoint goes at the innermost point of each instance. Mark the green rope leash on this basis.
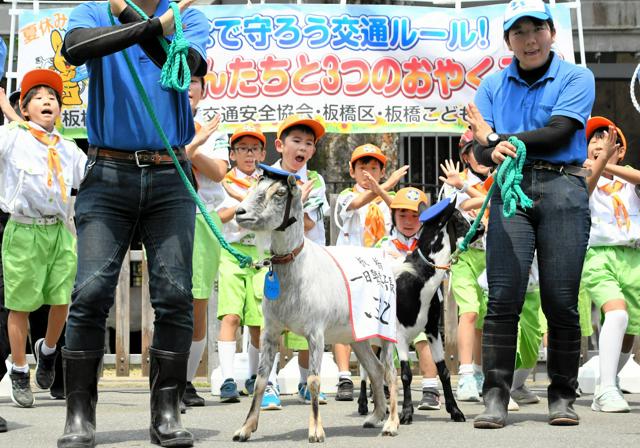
(508, 178)
(243, 259)
(175, 71)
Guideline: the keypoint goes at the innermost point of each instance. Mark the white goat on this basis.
(312, 302)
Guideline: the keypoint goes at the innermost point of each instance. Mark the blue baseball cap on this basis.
(517, 9)
(276, 173)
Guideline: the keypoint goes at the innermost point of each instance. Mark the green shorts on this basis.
(294, 341)
(584, 310)
(613, 272)
(531, 326)
(39, 265)
(206, 256)
(240, 290)
(464, 284)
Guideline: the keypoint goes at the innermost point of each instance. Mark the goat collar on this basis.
(288, 258)
(445, 267)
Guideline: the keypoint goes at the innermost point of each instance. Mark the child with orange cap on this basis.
(612, 264)
(39, 168)
(363, 216)
(240, 289)
(406, 206)
(296, 141)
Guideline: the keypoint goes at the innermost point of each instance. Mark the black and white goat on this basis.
(418, 307)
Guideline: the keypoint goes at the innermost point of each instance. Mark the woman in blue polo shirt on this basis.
(545, 102)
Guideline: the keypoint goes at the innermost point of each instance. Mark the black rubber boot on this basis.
(498, 361)
(168, 379)
(563, 360)
(81, 372)
(3, 425)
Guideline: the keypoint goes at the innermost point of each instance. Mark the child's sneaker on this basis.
(249, 385)
(609, 399)
(522, 395)
(512, 406)
(430, 399)
(45, 367)
(229, 391)
(467, 389)
(21, 393)
(479, 377)
(271, 399)
(345, 390)
(304, 394)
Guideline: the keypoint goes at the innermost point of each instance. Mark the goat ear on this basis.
(291, 181)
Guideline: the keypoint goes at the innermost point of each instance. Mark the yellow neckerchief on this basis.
(374, 227)
(232, 177)
(619, 210)
(53, 159)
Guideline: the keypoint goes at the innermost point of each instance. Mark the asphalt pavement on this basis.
(123, 418)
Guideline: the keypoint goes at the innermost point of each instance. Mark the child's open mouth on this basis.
(46, 112)
(300, 159)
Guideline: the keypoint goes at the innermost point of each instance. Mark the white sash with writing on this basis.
(371, 289)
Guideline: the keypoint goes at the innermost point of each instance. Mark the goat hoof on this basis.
(406, 418)
(458, 416)
(241, 436)
(316, 438)
(391, 432)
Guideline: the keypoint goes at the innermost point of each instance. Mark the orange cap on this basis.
(368, 150)
(295, 119)
(409, 198)
(41, 77)
(248, 129)
(596, 123)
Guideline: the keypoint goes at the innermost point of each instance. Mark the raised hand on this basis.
(479, 126)
(395, 177)
(451, 173)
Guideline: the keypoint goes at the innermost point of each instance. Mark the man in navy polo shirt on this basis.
(545, 102)
(130, 183)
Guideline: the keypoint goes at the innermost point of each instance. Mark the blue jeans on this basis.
(557, 226)
(115, 198)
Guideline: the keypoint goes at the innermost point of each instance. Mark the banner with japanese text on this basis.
(358, 68)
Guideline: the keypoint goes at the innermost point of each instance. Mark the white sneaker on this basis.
(513, 406)
(609, 399)
(467, 389)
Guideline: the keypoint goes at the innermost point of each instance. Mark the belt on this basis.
(140, 158)
(44, 221)
(574, 170)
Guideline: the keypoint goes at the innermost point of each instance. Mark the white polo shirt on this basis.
(24, 170)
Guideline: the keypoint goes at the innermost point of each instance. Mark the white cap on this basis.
(516, 9)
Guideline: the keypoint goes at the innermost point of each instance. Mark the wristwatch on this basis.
(493, 139)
